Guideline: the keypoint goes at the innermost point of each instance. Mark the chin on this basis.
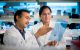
(25, 26)
(47, 21)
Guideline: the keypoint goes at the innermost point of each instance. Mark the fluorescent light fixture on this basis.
(61, 4)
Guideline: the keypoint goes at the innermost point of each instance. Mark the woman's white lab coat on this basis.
(51, 34)
(13, 37)
(42, 40)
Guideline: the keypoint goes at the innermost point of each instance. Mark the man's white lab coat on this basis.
(13, 37)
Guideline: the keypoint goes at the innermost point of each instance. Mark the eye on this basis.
(27, 17)
(49, 13)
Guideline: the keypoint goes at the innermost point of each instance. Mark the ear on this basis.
(17, 18)
(40, 18)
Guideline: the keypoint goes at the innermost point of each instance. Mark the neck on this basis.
(47, 24)
(19, 27)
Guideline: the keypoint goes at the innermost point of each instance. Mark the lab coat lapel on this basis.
(18, 34)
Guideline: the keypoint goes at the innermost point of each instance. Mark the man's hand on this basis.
(43, 30)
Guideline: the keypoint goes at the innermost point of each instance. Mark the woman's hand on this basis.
(52, 43)
(43, 30)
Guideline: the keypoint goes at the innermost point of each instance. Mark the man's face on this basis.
(24, 20)
(46, 15)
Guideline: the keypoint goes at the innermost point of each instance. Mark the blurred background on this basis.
(62, 10)
(66, 9)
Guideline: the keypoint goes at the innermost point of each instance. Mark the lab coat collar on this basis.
(19, 29)
(22, 33)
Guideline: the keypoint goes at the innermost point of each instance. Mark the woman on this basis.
(45, 27)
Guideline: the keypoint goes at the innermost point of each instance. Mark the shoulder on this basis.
(11, 31)
(38, 25)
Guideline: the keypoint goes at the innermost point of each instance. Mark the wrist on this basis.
(36, 35)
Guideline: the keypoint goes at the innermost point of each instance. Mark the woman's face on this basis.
(46, 15)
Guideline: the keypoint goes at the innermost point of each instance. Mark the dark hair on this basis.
(42, 8)
(19, 13)
(5, 6)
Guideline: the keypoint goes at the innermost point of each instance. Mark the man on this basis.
(16, 35)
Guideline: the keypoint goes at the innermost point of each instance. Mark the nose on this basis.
(47, 15)
(28, 18)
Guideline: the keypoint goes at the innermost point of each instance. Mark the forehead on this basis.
(46, 10)
(25, 14)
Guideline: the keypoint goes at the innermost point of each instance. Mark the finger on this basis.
(49, 29)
